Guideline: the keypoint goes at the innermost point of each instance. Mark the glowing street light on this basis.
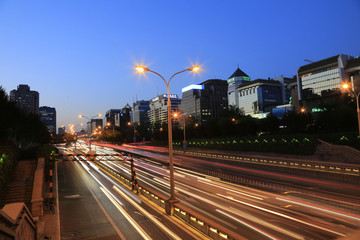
(90, 130)
(184, 116)
(347, 87)
(169, 207)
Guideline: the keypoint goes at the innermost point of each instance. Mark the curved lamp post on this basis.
(90, 130)
(184, 116)
(170, 202)
(357, 94)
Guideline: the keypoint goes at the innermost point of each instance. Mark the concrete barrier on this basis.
(37, 199)
(17, 223)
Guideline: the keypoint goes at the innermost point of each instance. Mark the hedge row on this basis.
(8, 159)
(301, 145)
(351, 139)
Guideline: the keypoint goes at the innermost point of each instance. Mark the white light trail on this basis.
(231, 190)
(321, 209)
(127, 216)
(248, 225)
(147, 214)
(283, 215)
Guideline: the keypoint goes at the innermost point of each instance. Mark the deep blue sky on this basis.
(79, 55)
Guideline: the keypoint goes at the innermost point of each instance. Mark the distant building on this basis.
(352, 71)
(205, 101)
(96, 123)
(61, 130)
(319, 82)
(158, 108)
(139, 112)
(110, 116)
(286, 84)
(124, 116)
(48, 117)
(257, 98)
(234, 81)
(25, 99)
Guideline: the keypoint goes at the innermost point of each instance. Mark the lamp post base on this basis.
(169, 205)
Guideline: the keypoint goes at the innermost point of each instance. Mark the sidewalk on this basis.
(49, 224)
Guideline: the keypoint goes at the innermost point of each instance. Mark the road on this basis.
(90, 208)
(251, 213)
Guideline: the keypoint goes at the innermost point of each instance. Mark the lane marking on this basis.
(127, 216)
(147, 214)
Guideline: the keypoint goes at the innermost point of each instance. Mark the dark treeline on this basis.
(18, 127)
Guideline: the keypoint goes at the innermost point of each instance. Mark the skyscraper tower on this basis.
(25, 99)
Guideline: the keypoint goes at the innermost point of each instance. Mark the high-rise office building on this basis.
(95, 124)
(110, 116)
(48, 117)
(61, 130)
(319, 82)
(206, 100)
(25, 99)
(139, 112)
(158, 108)
(123, 117)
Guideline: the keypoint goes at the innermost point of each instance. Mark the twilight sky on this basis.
(79, 55)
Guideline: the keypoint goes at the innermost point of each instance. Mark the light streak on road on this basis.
(127, 216)
(283, 215)
(100, 183)
(147, 214)
(220, 206)
(206, 181)
(321, 209)
(248, 225)
(116, 166)
(116, 184)
(266, 223)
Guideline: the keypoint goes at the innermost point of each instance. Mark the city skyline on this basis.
(80, 56)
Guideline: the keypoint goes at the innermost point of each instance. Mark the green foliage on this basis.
(351, 139)
(19, 127)
(9, 155)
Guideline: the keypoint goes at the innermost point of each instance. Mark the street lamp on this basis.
(90, 130)
(170, 202)
(347, 87)
(184, 119)
(129, 124)
(108, 124)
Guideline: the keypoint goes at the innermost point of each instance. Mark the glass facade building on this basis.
(259, 96)
(205, 101)
(139, 112)
(319, 83)
(322, 78)
(48, 117)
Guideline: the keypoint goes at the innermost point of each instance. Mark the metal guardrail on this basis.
(195, 220)
(345, 169)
